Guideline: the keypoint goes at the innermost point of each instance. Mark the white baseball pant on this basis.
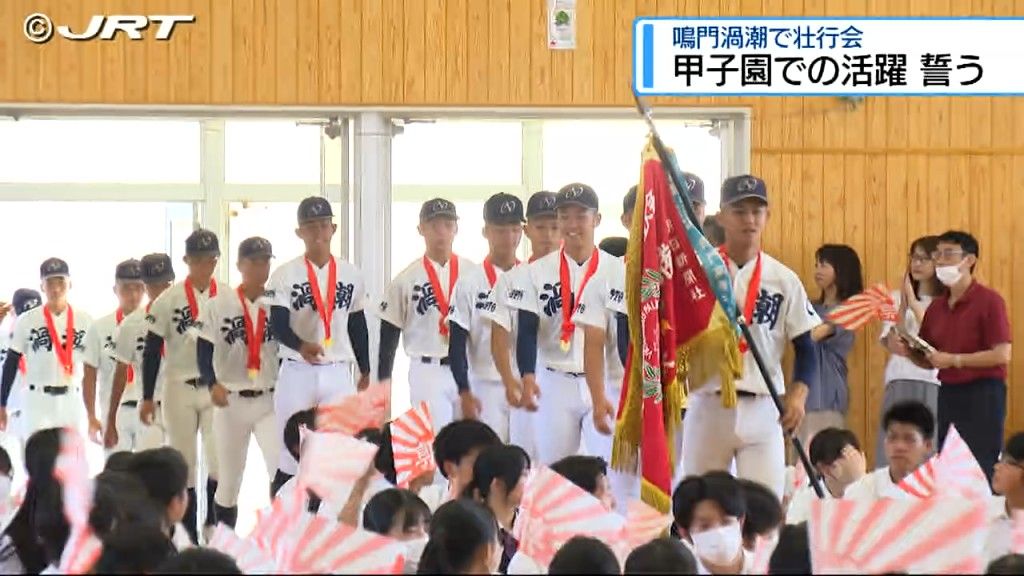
(521, 431)
(625, 486)
(750, 434)
(133, 435)
(564, 417)
(233, 425)
(42, 410)
(188, 411)
(434, 384)
(494, 409)
(301, 386)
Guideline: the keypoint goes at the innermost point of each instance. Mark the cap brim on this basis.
(436, 215)
(744, 197)
(542, 214)
(58, 275)
(204, 253)
(162, 279)
(316, 218)
(129, 281)
(505, 220)
(566, 203)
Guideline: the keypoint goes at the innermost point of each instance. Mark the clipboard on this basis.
(915, 342)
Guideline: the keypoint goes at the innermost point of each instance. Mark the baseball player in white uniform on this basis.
(547, 302)
(174, 320)
(317, 317)
(542, 231)
(12, 439)
(416, 304)
(478, 380)
(238, 361)
(101, 342)
(125, 431)
(776, 307)
(51, 338)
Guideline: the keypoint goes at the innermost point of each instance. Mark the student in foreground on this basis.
(463, 540)
(1008, 484)
(909, 429)
(709, 512)
(836, 456)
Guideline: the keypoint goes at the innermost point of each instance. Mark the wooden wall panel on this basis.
(874, 177)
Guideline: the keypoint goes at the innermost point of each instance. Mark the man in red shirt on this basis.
(970, 331)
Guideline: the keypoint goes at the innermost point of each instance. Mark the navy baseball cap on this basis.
(255, 247)
(540, 204)
(695, 187)
(438, 208)
(578, 194)
(736, 188)
(629, 201)
(157, 268)
(503, 208)
(614, 245)
(25, 299)
(202, 242)
(53, 268)
(128, 271)
(314, 208)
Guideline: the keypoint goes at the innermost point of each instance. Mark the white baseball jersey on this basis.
(100, 344)
(473, 297)
(289, 287)
(410, 304)
(540, 293)
(128, 347)
(224, 327)
(501, 313)
(170, 317)
(602, 299)
(782, 312)
(33, 341)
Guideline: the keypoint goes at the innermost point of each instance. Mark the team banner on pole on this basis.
(839, 56)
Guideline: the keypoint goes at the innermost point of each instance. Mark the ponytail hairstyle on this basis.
(458, 532)
(504, 463)
(393, 507)
(39, 529)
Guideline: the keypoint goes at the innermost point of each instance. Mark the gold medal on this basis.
(327, 344)
(253, 373)
(564, 344)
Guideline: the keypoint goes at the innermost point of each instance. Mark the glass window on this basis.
(271, 152)
(458, 152)
(92, 250)
(606, 155)
(73, 150)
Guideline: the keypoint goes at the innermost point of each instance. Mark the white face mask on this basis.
(948, 275)
(718, 546)
(413, 552)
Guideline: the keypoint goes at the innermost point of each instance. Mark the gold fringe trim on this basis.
(655, 497)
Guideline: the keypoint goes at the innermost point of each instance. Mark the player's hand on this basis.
(219, 395)
(95, 430)
(110, 437)
(3, 419)
(531, 392)
(311, 352)
(147, 412)
(514, 393)
(604, 416)
(793, 406)
(470, 405)
(363, 383)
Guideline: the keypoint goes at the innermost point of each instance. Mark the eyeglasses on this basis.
(943, 255)
(919, 259)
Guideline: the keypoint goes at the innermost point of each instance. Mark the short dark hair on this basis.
(1015, 447)
(846, 263)
(582, 471)
(134, 550)
(828, 444)
(1008, 564)
(913, 413)
(792, 555)
(120, 461)
(163, 472)
(291, 429)
(199, 561)
(459, 530)
(720, 488)
(661, 556)
(505, 463)
(456, 440)
(394, 505)
(5, 462)
(967, 242)
(764, 511)
(120, 499)
(584, 555)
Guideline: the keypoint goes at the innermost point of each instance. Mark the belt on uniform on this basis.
(253, 393)
(573, 374)
(193, 382)
(431, 360)
(741, 394)
(130, 404)
(53, 390)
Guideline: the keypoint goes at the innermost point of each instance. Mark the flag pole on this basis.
(681, 188)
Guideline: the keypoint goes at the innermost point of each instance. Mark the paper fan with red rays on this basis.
(353, 414)
(332, 463)
(320, 545)
(858, 310)
(644, 523)
(251, 559)
(921, 482)
(553, 510)
(273, 526)
(930, 536)
(887, 309)
(953, 472)
(412, 441)
(1017, 539)
(81, 551)
(71, 470)
(762, 555)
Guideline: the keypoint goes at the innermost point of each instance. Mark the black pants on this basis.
(978, 410)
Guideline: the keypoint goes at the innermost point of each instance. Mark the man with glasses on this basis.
(1008, 483)
(970, 331)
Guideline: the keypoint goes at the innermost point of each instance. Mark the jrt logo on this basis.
(39, 27)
